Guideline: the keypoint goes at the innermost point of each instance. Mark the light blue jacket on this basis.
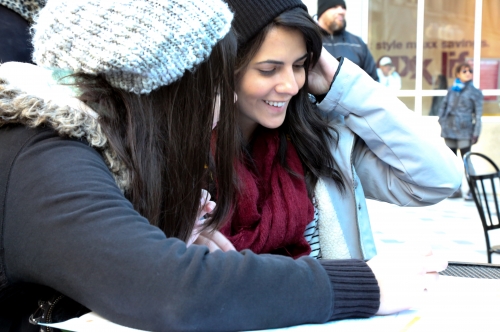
(385, 152)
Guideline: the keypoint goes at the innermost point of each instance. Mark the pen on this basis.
(410, 324)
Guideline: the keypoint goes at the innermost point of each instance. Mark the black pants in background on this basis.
(463, 151)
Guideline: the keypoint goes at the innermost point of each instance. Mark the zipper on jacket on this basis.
(356, 203)
(45, 310)
(51, 309)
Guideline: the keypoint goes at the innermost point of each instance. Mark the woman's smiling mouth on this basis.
(275, 103)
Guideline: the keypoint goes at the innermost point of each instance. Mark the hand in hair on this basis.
(321, 76)
(403, 275)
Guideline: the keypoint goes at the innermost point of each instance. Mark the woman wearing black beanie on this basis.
(307, 167)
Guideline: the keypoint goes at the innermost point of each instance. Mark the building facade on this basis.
(425, 41)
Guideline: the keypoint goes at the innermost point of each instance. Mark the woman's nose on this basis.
(288, 84)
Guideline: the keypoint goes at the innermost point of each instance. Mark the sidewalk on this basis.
(452, 227)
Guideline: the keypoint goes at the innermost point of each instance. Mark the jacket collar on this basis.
(34, 96)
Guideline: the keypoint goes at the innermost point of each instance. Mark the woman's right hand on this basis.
(214, 240)
(206, 206)
(404, 275)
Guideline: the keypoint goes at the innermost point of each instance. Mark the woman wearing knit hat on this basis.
(306, 169)
(103, 147)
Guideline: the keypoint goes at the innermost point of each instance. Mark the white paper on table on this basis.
(453, 304)
(397, 322)
(91, 322)
(461, 304)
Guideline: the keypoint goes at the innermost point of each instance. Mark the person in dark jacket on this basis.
(16, 16)
(338, 41)
(460, 115)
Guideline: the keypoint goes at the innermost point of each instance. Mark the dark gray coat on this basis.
(460, 113)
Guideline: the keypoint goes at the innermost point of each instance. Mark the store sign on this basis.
(405, 65)
(490, 70)
(440, 57)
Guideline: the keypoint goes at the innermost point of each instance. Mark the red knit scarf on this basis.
(273, 208)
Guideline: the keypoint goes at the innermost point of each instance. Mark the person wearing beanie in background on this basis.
(15, 19)
(338, 41)
(306, 168)
(387, 74)
(103, 147)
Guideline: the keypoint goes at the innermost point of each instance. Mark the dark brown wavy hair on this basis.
(165, 138)
(308, 131)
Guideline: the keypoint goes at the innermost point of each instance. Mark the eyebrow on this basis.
(274, 62)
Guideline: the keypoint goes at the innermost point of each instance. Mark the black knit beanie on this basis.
(324, 5)
(250, 16)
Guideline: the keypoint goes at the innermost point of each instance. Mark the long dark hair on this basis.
(309, 132)
(165, 140)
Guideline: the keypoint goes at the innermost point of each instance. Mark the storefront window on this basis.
(430, 105)
(392, 33)
(490, 55)
(448, 39)
(409, 102)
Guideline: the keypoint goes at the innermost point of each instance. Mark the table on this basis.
(472, 270)
(465, 299)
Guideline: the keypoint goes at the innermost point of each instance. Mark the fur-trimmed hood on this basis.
(35, 96)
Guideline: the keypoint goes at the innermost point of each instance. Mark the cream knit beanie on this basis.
(138, 45)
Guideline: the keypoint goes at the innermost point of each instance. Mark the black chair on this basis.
(483, 177)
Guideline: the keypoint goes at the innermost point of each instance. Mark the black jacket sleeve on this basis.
(69, 227)
(14, 36)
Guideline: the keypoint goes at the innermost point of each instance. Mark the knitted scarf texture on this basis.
(273, 207)
(457, 85)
